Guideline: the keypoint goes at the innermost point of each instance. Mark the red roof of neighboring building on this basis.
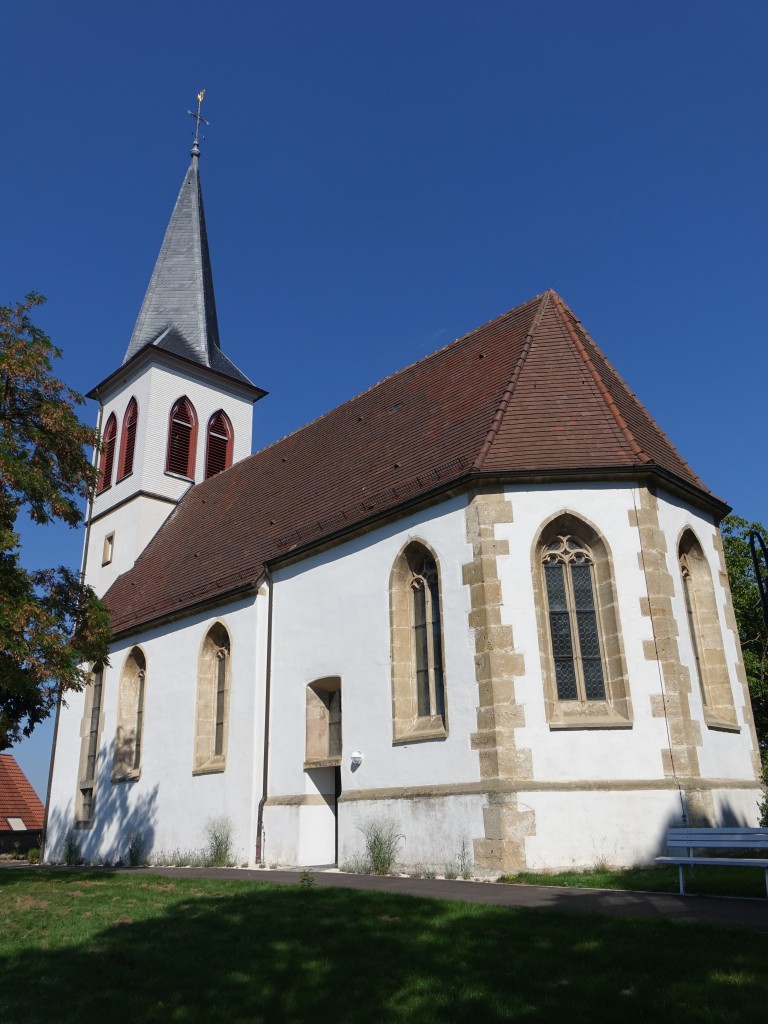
(17, 798)
(527, 396)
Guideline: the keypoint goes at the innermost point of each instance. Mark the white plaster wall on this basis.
(331, 618)
(61, 806)
(168, 803)
(435, 830)
(575, 830)
(133, 525)
(578, 829)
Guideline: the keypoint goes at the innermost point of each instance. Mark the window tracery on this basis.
(573, 619)
(582, 650)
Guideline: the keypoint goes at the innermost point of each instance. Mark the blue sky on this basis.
(380, 178)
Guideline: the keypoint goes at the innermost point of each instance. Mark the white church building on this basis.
(486, 600)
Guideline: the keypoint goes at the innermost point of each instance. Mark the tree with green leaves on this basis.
(753, 633)
(51, 624)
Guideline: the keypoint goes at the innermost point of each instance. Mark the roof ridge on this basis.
(632, 394)
(506, 398)
(607, 397)
(389, 376)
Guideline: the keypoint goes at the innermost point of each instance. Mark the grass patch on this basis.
(141, 948)
(704, 881)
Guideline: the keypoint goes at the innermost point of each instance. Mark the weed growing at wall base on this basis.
(382, 841)
(70, 850)
(135, 848)
(218, 852)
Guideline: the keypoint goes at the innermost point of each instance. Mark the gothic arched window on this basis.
(218, 449)
(708, 654)
(107, 462)
(90, 731)
(130, 717)
(182, 437)
(573, 621)
(418, 681)
(582, 650)
(213, 692)
(128, 440)
(323, 732)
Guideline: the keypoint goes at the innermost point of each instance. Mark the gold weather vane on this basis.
(198, 119)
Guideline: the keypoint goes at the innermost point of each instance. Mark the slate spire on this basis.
(179, 310)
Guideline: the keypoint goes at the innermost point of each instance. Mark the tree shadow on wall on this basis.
(122, 810)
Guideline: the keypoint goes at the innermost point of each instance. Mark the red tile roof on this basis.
(17, 798)
(529, 394)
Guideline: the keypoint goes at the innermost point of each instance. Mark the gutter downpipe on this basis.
(260, 844)
(94, 462)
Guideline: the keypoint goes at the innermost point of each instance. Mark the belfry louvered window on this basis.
(107, 463)
(128, 440)
(182, 435)
(218, 453)
(573, 620)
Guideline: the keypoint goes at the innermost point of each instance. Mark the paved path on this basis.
(715, 910)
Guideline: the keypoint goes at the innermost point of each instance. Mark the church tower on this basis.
(177, 411)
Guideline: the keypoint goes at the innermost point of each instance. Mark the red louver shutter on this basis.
(180, 440)
(108, 454)
(130, 444)
(218, 452)
(129, 439)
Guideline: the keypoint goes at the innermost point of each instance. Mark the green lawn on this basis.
(132, 947)
(704, 881)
